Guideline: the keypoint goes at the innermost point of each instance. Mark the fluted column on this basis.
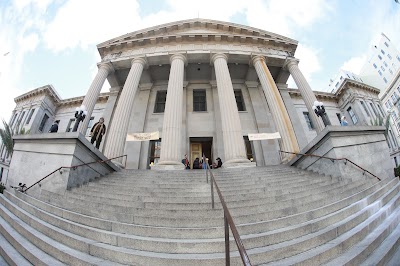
(119, 126)
(172, 125)
(234, 148)
(277, 107)
(93, 93)
(306, 92)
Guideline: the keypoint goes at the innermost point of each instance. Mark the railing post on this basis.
(212, 191)
(227, 250)
(207, 175)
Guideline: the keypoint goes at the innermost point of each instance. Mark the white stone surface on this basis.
(119, 126)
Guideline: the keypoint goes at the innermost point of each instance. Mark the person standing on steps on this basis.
(54, 127)
(185, 162)
(343, 121)
(97, 132)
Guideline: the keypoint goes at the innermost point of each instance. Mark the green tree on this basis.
(6, 135)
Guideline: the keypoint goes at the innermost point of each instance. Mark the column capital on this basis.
(256, 58)
(107, 66)
(219, 55)
(140, 60)
(178, 56)
(291, 61)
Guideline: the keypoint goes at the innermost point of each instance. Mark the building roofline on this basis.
(49, 89)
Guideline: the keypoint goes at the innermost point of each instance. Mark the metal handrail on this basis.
(74, 167)
(333, 159)
(228, 222)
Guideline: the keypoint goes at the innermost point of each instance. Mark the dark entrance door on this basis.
(200, 143)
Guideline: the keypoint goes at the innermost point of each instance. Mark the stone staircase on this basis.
(284, 216)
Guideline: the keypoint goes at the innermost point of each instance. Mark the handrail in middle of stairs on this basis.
(228, 222)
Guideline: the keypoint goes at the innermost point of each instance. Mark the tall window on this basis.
(373, 109)
(70, 125)
(339, 117)
(239, 100)
(352, 115)
(30, 116)
(199, 100)
(161, 98)
(308, 120)
(365, 108)
(43, 123)
(13, 120)
(20, 119)
(380, 109)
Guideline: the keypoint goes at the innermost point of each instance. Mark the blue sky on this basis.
(54, 41)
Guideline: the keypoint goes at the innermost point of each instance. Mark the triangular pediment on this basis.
(196, 27)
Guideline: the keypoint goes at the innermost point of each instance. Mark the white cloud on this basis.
(309, 62)
(354, 64)
(285, 16)
(83, 23)
(18, 25)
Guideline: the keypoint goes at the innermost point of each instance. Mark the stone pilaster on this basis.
(277, 107)
(171, 140)
(93, 93)
(305, 91)
(235, 152)
(119, 127)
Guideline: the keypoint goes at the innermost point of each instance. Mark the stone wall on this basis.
(363, 145)
(36, 156)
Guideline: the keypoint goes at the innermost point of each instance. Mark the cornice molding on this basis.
(47, 90)
(195, 31)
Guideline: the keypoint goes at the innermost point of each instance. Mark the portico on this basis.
(219, 62)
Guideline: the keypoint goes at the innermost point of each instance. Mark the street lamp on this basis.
(319, 110)
(80, 114)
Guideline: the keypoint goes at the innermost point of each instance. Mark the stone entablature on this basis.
(205, 49)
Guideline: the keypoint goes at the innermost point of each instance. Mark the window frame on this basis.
(352, 115)
(159, 105)
(30, 116)
(199, 100)
(43, 122)
(239, 100)
(309, 123)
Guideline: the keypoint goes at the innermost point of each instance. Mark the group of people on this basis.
(199, 164)
(96, 133)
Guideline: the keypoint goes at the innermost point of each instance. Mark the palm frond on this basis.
(6, 137)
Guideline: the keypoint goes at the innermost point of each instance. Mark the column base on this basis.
(167, 165)
(238, 163)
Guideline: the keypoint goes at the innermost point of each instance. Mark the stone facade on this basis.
(223, 80)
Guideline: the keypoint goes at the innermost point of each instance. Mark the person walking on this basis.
(97, 132)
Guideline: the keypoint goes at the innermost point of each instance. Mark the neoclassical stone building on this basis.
(204, 85)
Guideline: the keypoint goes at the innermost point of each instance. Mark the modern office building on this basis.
(382, 64)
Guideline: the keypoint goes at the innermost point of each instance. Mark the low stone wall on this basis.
(364, 145)
(36, 156)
